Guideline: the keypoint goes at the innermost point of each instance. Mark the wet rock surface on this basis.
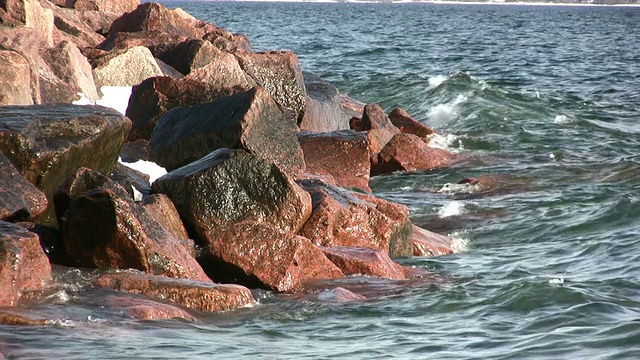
(408, 125)
(19, 199)
(251, 121)
(344, 155)
(427, 243)
(23, 264)
(363, 261)
(197, 295)
(323, 111)
(407, 152)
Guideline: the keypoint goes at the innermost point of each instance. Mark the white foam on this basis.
(446, 141)
(562, 119)
(147, 167)
(115, 97)
(447, 112)
(452, 208)
(460, 242)
(435, 81)
(557, 281)
(451, 188)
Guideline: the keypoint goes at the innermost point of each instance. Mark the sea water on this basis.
(545, 99)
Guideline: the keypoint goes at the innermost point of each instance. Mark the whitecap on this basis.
(557, 281)
(452, 188)
(460, 242)
(446, 141)
(435, 81)
(451, 208)
(150, 168)
(447, 112)
(562, 119)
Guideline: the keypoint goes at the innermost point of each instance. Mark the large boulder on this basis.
(118, 7)
(323, 108)
(427, 243)
(407, 152)
(126, 69)
(15, 82)
(161, 208)
(155, 96)
(69, 65)
(31, 14)
(154, 18)
(408, 125)
(344, 155)
(345, 218)
(232, 186)
(50, 241)
(364, 261)
(260, 255)
(47, 143)
(197, 295)
(23, 265)
(19, 199)
(70, 26)
(251, 121)
(378, 126)
(187, 55)
(222, 72)
(280, 74)
(104, 228)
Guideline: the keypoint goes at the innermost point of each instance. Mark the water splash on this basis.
(435, 81)
(451, 208)
(451, 188)
(447, 141)
(447, 112)
(460, 242)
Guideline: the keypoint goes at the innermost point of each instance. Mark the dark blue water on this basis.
(544, 99)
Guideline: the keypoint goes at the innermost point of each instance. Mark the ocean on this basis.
(544, 100)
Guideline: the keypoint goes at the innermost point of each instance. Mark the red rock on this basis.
(363, 261)
(340, 295)
(280, 74)
(32, 15)
(155, 96)
(15, 83)
(427, 243)
(161, 208)
(228, 187)
(18, 319)
(188, 55)
(142, 309)
(351, 107)
(103, 227)
(69, 65)
(251, 121)
(197, 295)
(23, 264)
(340, 218)
(344, 155)
(108, 6)
(136, 183)
(222, 71)
(323, 108)
(409, 125)
(133, 151)
(260, 255)
(407, 152)
(50, 241)
(70, 26)
(373, 117)
(47, 143)
(19, 199)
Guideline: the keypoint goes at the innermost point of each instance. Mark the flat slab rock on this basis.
(197, 295)
(363, 261)
(23, 265)
(427, 243)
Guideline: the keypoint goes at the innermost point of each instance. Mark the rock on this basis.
(118, 7)
(157, 95)
(154, 18)
(339, 295)
(31, 14)
(280, 74)
(127, 69)
(134, 182)
(105, 228)
(161, 208)
(18, 319)
(98, 21)
(23, 265)
(344, 155)
(407, 152)
(228, 187)
(15, 82)
(134, 151)
(69, 65)
(373, 117)
(197, 295)
(187, 55)
(341, 218)
(351, 107)
(19, 199)
(323, 109)
(259, 255)
(251, 121)
(427, 243)
(70, 26)
(363, 261)
(47, 143)
(222, 72)
(408, 125)
(142, 309)
(50, 241)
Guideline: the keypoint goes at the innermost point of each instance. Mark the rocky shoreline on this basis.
(268, 166)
